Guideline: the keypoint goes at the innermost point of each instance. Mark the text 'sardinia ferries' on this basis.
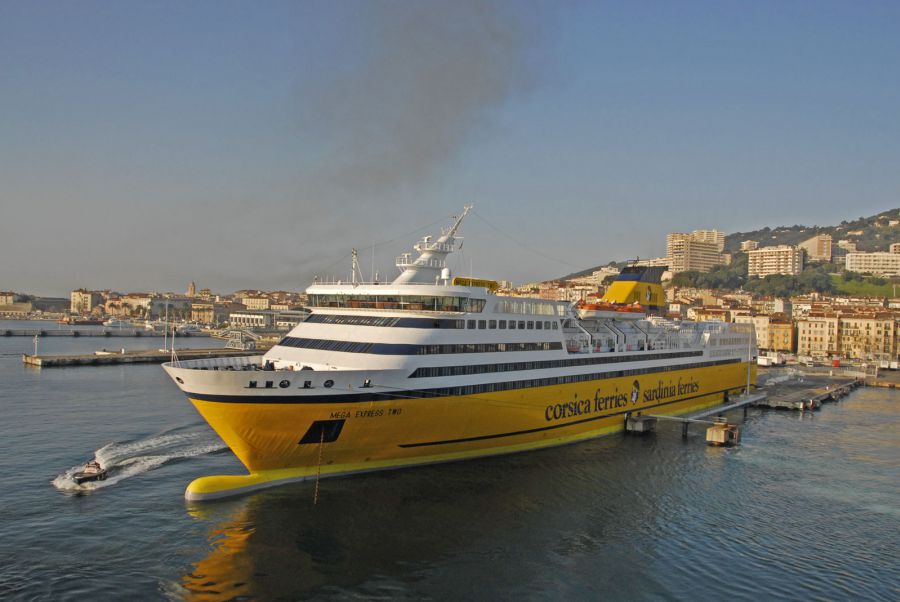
(431, 368)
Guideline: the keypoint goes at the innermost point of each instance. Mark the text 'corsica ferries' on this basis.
(431, 368)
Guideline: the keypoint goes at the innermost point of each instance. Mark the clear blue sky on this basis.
(239, 144)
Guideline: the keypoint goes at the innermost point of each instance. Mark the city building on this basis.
(175, 307)
(818, 248)
(84, 301)
(256, 303)
(847, 245)
(878, 264)
(7, 298)
(710, 236)
(895, 247)
(817, 335)
(656, 262)
(868, 337)
(685, 253)
(192, 290)
(760, 325)
(267, 319)
(782, 335)
(782, 259)
(749, 245)
(771, 305)
(213, 313)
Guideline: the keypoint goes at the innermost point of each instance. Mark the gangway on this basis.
(239, 338)
(637, 423)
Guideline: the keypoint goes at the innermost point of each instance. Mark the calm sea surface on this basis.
(805, 508)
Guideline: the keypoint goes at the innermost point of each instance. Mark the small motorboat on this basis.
(92, 472)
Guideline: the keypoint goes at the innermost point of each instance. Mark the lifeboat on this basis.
(610, 311)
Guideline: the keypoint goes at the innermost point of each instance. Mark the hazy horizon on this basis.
(143, 146)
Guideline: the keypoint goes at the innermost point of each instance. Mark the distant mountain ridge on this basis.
(870, 234)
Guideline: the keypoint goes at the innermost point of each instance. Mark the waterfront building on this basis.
(213, 313)
(749, 245)
(685, 253)
(818, 248)
(760, 325)
(84, 301)
(878, 264)
(7, 298)
(266, 319)
(781, 259)
(782, 334)
(817, 335)
(868, 336)
(177, 307)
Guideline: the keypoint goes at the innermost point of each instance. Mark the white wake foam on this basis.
(132, 458)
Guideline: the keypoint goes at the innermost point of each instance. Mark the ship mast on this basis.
(432, 259)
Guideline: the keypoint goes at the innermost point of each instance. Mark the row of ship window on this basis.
(559, 380)
(404, 349)
(543, 364)
(434, 323)
(399, 302)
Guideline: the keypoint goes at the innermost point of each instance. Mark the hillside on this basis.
(869, 233)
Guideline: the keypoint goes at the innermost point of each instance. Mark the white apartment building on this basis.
(879, 264)
(711, 236)
(84, 301)
(685, 252)
(749, 245)
(256, 303)
(782, 259)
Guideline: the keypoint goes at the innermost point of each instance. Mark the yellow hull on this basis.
(407, 431)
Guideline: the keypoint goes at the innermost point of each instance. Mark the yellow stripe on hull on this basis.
(408, 432)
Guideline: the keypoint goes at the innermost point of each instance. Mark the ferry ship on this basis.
(432, 368)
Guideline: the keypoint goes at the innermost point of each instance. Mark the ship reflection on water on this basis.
(397, 534)
(614, 518)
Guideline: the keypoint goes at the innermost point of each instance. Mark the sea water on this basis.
(807, 507)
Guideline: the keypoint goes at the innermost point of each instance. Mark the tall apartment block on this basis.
(699, 251)
(818, 248)
(782, 259)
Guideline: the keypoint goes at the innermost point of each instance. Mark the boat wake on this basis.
(124, 460)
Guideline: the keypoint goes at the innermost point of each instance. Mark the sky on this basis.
(144, 145)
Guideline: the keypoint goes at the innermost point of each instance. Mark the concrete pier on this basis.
(129, 357)
(93, 332)
(812, 398)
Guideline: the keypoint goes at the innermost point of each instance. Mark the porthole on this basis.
(328, 384)
(178, 380)
(284, 384)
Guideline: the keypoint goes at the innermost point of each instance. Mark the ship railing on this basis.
(222, 363)
(443, 247)
(407, 262)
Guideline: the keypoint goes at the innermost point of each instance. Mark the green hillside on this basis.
(869, 233)
(870, 287)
